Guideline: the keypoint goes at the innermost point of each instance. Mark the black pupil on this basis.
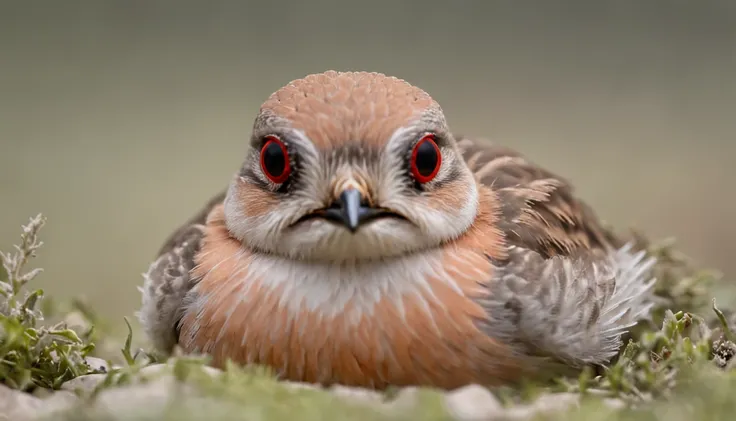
(274, 159)
(426, 158)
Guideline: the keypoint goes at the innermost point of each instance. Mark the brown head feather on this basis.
(334, 107)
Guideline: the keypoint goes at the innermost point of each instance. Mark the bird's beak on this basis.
(352, 210)
(349, 209)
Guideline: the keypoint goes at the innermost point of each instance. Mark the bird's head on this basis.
(347, 167)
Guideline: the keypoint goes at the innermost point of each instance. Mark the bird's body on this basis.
(363, 243)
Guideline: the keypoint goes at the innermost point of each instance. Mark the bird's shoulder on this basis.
(182, 232)
(169, 279)
(539, 210)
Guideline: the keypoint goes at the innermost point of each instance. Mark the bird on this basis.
(364, 243)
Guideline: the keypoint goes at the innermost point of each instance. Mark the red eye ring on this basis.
(426, 159)
(275, 160)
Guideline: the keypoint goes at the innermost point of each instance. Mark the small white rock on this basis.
(472, 403)
(59, 401)
(545, 404)
(97, 364)
(86, 383)
(614, 403)
(299, 385)
(154, 370)
(356, 394)
(16, 405)
(151, 397)
(405, 400)
(556, 402)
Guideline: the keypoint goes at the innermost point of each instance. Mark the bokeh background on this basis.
(119, 119)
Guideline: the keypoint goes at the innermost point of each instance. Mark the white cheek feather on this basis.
(437, 224)
(263, 231)
(257, 231)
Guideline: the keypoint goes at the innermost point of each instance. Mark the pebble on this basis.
(405, 399)
(98, 364)
(356, 394)
(545, 404)
(472, 403)
(16, 405)
(86, 383)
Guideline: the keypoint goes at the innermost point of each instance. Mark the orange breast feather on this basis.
(427, 338)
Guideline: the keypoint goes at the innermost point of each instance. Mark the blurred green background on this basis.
(119, 119)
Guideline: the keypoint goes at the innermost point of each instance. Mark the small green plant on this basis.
(32, 355)
(680, 283)
(650, 367)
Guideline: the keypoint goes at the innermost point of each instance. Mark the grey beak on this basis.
(350, 201)
(351, 210)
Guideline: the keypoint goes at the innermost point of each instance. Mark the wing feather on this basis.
(539, 209)
(568, 288)
(168, 280)
(573, 309)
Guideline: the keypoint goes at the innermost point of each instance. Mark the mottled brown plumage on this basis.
(540, 210)
(488, 272)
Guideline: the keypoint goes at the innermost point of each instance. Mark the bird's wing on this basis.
(168, 280)
(568, 288)
(573, 309)
(539, 209)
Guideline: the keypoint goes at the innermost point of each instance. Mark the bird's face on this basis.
(349, 167)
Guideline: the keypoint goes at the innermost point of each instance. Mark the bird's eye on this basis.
(425, 159)
(275, 160)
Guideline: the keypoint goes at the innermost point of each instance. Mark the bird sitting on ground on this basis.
(363, 243)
